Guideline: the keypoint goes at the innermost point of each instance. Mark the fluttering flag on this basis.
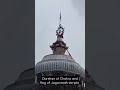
(69, 54)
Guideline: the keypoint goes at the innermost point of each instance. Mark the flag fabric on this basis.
(69, 54)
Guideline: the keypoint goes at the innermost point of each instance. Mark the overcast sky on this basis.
(47, 20)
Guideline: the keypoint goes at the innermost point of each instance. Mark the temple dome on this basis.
(59, 63)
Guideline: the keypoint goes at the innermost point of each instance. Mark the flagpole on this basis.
(60, 19)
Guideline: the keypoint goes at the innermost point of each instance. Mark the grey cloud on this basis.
(79, 5)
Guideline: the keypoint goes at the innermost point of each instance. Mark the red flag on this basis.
(69, 54)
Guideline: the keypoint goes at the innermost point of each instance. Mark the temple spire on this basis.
(59, 47)
(60, 30)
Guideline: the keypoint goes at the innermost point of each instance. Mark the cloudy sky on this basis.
(47, 20)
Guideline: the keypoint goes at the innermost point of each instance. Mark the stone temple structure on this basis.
(55, 64)
(59, 64)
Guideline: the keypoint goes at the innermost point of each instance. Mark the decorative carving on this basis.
(60, 31)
